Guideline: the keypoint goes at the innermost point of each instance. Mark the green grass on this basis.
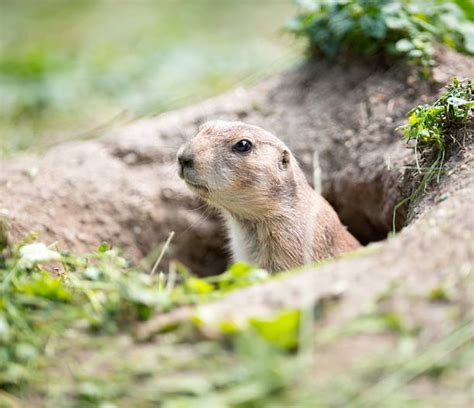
(407, 28)
(101, 290)
(66, 68)
(67, 338)
(432, 129)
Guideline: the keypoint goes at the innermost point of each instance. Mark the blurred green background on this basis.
(70, 66)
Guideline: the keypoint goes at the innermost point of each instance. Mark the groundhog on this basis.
(274, 218)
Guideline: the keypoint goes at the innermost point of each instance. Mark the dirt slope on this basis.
(123, 187)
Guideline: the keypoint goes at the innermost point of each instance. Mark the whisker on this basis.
(171, 148)
(200, 207)
(202, 219)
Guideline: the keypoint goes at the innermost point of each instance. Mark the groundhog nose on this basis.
(186, 160)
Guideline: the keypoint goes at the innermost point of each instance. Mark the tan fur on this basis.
(275, 219)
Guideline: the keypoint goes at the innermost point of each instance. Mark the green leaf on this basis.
(104, 247)
(374, 27)
(240, 269)
(45, 286)
(439, 294)
(146, 296)
(413, 119)
(92, 273)
(228, 327)
(415, 53)
(282, 330)
(455, 101)
(395, 22)
(37, 253)
(393, 322)
(404, 45)
(199, 286)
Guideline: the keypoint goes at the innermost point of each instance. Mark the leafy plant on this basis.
(44, 291)
(432, 128)
(405, 28)
(50, 300)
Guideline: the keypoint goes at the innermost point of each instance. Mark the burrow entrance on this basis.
(363, 200)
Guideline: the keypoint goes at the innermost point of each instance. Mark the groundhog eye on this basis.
(242, 146)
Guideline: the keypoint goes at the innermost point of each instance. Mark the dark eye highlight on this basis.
(242, 146)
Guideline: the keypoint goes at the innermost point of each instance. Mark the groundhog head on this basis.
(238, 167)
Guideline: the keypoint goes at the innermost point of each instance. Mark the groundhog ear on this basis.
(285, 159)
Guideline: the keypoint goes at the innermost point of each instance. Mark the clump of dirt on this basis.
(123, 188)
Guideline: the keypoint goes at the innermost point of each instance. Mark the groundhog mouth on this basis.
(198, 187)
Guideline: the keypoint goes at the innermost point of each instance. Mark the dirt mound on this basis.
(123, 188)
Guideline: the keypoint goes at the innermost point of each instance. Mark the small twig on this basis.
(165, 247)
(161, 281)
(171, 277)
